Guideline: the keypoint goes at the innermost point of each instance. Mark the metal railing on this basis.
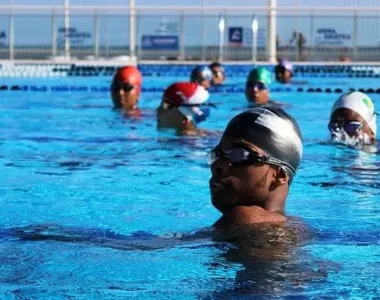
(228, 33)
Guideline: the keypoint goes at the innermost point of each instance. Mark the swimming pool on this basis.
(117, 202)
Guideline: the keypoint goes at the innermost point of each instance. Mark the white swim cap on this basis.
(359, 103)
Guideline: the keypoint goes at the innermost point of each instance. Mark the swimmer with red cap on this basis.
(125, 89)
(183, 106)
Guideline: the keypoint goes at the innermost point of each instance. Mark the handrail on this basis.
(189, 8)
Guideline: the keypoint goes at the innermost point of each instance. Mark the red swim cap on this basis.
(185, 93)
(129, 74)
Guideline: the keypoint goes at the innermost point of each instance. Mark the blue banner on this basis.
(159, 42)
(235, 35)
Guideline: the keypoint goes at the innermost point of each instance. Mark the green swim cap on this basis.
(260, 74)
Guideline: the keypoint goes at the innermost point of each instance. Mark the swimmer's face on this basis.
(233, 184)
(257, 92)
(217, 75)
(125, 95)
(283, 75)
(344, 116)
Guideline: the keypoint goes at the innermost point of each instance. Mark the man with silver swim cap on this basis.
(253, 166)
(353, 120)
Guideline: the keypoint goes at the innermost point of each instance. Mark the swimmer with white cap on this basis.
(283, 71)
(353, 121)
(253, 166)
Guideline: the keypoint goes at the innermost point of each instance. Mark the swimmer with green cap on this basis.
(257, 86)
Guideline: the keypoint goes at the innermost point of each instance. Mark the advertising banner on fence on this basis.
(159, 42)
(242, 36)
(75, 36)
(332, 37)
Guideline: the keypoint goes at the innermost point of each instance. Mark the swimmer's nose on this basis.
(220, 167)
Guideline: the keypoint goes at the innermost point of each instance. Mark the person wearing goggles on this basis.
(353, 121)
(257, 86)
(183, 106)
(218, 75)
(202, 75)
(125, 90)
(253, 166)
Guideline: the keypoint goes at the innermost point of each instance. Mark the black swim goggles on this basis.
(259, 85)
(241, 156)
(125, 86)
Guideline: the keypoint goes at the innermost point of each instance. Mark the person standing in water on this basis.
(353, 121)
(253, 166)
(183, 107)
(125, 90)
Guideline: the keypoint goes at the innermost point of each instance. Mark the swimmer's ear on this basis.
(280, 177)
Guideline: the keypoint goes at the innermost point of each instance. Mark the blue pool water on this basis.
(118, 206)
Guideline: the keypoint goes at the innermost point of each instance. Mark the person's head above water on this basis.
(218, 75)
(283, 71)
(257, 86)
(253, 166)
(353, 120)
(201, 75)
(183, 106)
(125, 88)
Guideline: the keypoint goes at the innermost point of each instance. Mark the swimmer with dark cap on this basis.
(218, 75)
(257, 87)
(125, 90)
(283, 71)
(353, 121)
(183, 106)
(253, 166)
(202, 75)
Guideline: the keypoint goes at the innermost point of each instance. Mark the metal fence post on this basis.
(132, 29)
(202, 35)
(222, 26)
(53, 34)
(182, 36)
(355, 35)
(96, 34)
(67, 30)
(11, 35)
(272, 23)
(255, 27)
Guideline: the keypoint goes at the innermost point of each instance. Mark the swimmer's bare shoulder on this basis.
(247, 215)
(256, 227)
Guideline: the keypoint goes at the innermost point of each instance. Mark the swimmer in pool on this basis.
(257, 87)
(353, 121)
(202, 75)
(283, 71)
(253, 166)
(183, 107)
(125, 90)
(218, 75)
